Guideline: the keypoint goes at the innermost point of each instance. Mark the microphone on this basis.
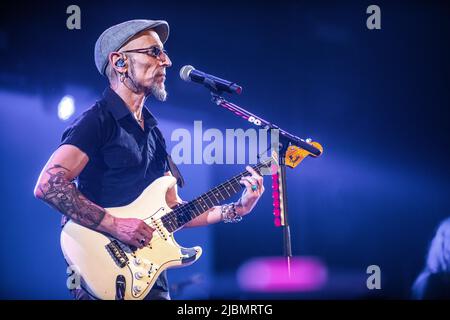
(215, 84)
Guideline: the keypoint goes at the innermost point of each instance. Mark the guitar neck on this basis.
(184, 213)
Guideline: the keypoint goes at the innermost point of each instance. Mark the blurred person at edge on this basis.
(434, 281)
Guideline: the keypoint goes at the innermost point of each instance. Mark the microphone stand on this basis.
(286, 139)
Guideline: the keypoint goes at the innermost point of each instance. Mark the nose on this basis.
(166, 60)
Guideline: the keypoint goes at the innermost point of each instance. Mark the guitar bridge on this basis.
(117, 253)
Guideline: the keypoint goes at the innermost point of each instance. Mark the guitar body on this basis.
(107, 266)
(111, 270)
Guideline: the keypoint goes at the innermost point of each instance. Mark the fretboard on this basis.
(184, 213)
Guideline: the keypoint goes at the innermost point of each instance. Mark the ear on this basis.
(116, 56)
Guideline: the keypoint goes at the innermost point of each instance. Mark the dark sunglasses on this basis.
(153, 51)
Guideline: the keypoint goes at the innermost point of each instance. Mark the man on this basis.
(115, 150)
(434, 281)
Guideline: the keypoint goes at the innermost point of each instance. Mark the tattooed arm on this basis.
(55, 187)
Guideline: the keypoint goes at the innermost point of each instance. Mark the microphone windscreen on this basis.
(185, 71)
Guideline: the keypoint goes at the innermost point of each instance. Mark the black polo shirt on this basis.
(123, 158)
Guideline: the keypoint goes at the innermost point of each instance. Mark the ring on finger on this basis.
(253, 182)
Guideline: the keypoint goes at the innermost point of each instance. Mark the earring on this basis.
(122, 77)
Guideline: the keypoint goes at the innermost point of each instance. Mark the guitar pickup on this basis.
(117, 253)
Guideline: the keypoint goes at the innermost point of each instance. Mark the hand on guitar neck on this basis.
(254, 188)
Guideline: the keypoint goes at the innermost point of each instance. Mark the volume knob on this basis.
(137, 288)
(138, 275)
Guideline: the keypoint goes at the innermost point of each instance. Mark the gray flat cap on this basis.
(112, 39)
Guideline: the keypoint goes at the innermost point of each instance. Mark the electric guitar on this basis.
(110, 269)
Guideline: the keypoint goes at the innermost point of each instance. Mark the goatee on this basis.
(159, 92)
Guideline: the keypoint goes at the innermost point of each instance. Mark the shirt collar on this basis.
(119, 110)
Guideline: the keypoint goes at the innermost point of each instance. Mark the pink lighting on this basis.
(276, 200)
(270, 274)
(276, 212)
(277, 222)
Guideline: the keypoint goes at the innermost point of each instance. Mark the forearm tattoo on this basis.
(63, 195)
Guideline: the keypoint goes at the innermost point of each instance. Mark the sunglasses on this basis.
(153, 51)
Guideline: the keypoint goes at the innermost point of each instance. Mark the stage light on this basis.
(270, 274)
(66, 108)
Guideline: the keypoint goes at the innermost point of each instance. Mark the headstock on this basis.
(295, 155)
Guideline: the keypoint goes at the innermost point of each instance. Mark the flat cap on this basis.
(113, 38)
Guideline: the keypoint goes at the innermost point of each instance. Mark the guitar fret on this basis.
(217, 200)
(199, 208)
(223, 193)
(174, 221)
(172, 224)
(189, 210)
(226, 188)
(233, 186)
(207, 198)
(203, 204)
(181, 215)
(191, 205)
(191, 214)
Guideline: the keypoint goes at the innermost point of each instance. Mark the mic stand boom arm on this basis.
(285, 136)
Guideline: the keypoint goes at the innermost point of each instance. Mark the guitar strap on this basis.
(172, 166)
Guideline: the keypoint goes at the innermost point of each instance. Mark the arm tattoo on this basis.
(63, 195)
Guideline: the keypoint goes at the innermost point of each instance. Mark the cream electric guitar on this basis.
(110, 269)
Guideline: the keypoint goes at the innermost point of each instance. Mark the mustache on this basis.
(161, 73)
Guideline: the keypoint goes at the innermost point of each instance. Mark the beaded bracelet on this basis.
(229, 214)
